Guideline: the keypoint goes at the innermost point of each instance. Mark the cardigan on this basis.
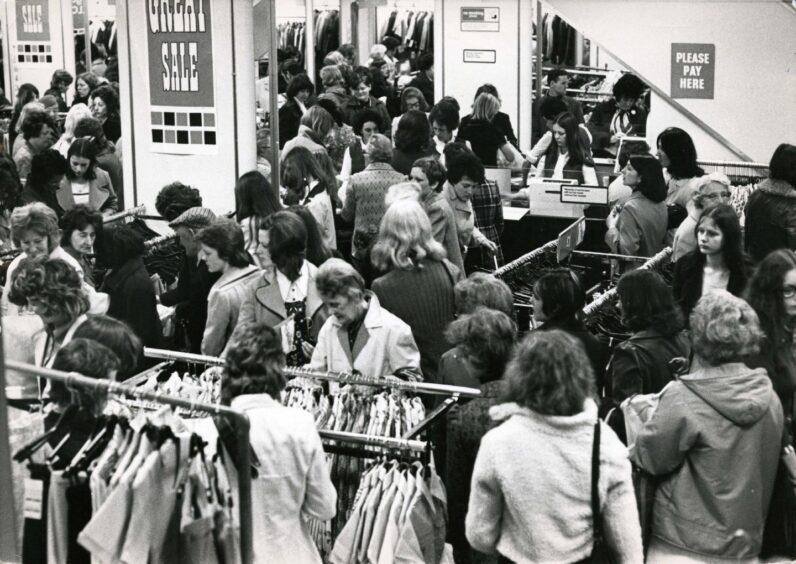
(423, 298)
(223, 308)
(101, 195)
(533, 512)
(443, 226)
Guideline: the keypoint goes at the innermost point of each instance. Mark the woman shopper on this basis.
(717, 264)
(639, 227)
(772, 294)
(75, 114)
(80, 227)
(255, 200)
(86, 183)
(222, 251)
(365, 123)
(429, 174)
(25, 94)
(119, 338)
(713, 189)
(85, 84)
(293, 481)
(678, 157)
(107, 159)
(299, 93)
(105, 107)
(339, 137)
(567, 158)
(311, 186)
(485, 340)
(501, 120)
(314, 125)
(317, 251)
(717, 429)
(526, 512)
(411, 99)
(640, 365)
(558, 299)
(418, 284)
(361, 99)
(771, 210)
(411, 140)
(285, 296)
(482, 134)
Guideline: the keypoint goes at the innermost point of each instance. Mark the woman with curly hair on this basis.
(175, 199)
(293, 482)
(621, 116)
(640, 365)
(419, 280)
(80, 228)
(412, 140)
(223, 252)
(716, 430)
(53, 290)
(105, 107)
(524, 511)
(718, 263)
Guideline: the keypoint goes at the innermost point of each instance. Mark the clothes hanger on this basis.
(32, 447)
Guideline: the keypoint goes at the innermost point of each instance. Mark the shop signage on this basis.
(78, 15)
(693, 70)
(33, 20)
(479, 56)
(570, 238)
(584, 195)
(181, 80)
(480, 19)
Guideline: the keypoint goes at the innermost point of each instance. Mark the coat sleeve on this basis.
(320, 497)
(403, 352)
(599, 126)
(624, 375)
(214, 337)
(248, 308)
(619, 511)
(142, 314)
(485, 509)
(320, 356)
(664, 441)
(349, 203)
(629, 233)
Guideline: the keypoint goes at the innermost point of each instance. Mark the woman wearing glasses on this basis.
(713, 189)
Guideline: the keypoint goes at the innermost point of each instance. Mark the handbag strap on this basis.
(595, 479)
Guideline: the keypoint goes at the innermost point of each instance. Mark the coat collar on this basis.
(268, 295)
(233, 276)
(379, 166)
(777, 188)
(247, 402)
(373, 320)
(455, 202)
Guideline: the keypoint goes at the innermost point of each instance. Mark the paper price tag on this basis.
(34, 497)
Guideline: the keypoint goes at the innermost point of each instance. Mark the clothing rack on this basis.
(609, 296)
(524, 259)
(240, 420)
(343, 378)
(131, 212)
(372, 440)
(161, 241)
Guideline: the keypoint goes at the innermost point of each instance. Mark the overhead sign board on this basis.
(480, 19)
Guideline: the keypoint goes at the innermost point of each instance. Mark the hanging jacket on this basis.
(715, 439)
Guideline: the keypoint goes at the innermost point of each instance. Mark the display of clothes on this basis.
(204, 387)
(327, 33)
(399, 515)
(739, 196)
(133, 491)
(291, 34)
(103, 32)
(558, 40)
(414, 28)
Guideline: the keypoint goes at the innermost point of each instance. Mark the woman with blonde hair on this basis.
(418, 285)
(313, 128)
(484, 137)
(76, 113)
(334, 86)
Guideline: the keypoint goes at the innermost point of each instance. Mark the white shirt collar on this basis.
(297, 290)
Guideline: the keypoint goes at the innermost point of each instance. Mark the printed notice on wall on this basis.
(693, 70)
(480, 19)
(181, 80)
(34, 44)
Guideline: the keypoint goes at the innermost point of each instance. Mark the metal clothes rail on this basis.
(131, 212)
(371, 440)
(158, 242)
(526, 258)
(341, 377)
(240, 420)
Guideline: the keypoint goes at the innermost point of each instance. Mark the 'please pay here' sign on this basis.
(693, 70)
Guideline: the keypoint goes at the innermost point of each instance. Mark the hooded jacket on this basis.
(770, 218)
(715, 438)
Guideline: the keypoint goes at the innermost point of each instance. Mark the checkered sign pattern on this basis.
(183, 127)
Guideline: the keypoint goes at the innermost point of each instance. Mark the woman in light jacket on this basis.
(715, 441)
(222, 250)
(525, 511)
(292, 482)
(285, 292)
(85, 182)
(309, 185)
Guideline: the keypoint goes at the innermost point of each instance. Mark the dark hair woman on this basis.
(317, 251)
(678, 156)
(550, 413)
(411, 99)
(640, 365)
(365, 123)
(255, 199)
(444, 120)
(361, 99)
(485, 340)
(312, 186)
(638, 228)
(80, 228)
(223, 251)
(411, 140)
(59, 84)
(118, 337)
(129, 286)
(619, 117)
(175, 199)
(107, 158)
(718, 263)
(85, 183)
(772, 294)
(299, 92)
(85, 84)
(771, 210)
(567, 157)
(105, 107)
(285, 441)
(558, 299)
(285, 295)
(26, 93)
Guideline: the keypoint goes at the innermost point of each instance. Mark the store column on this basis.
(187, 96)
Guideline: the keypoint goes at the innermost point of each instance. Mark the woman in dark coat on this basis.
(131, 292)
(298, 96)
(105, 107)
(618, 117)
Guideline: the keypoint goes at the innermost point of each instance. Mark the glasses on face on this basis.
(789, 292)
(717, 195)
